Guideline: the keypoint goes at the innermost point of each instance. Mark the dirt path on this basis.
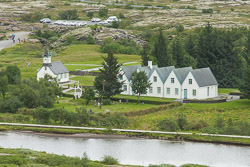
(9, 43)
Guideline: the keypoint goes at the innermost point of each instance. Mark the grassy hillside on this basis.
(74, 54)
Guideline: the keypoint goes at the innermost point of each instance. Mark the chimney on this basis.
(150, 64)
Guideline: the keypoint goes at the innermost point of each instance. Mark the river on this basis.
(133, 152)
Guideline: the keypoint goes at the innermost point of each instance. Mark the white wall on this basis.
(155, 85)
(191, 87)
(172, 87)
(43, 71)
(63, 77)
(46, 70)
(213, 92)
(126, 82)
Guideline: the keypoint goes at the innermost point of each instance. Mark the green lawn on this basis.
(79, 67)
(236, 110)
(227, 90)
(70, 104)
(73, 54)
(144, 98)
(86, 80)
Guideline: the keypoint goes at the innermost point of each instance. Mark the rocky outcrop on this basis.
(9, 24)
(100, 34)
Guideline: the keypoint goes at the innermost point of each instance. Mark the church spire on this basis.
(47, 56)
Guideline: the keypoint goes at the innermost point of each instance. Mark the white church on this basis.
(171, 82)
(55, 69)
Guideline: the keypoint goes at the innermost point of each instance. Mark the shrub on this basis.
(106, 102)
(10, 105)
(108, 160)
(32, 17)
(207, 10)
(103, 12)
(68, 15)
(168, 125)
(91, 40)
(182, 121)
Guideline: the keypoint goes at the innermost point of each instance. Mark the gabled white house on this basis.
(168, 82)
(55, 69)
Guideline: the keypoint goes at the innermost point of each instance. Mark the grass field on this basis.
(236, 110)
(227, 90)
(70, 104)
(86, 80)
(73, 54)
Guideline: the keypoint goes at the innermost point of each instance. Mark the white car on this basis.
(95, 19)
(112, 18)
(103, 22)
(79, 24)
(45, 20)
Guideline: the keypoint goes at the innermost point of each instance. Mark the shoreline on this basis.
(103, 133)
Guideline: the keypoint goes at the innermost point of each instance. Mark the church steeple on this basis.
(46, 57)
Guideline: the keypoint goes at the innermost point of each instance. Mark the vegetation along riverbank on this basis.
(29, 158)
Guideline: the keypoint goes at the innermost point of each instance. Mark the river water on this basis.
(133, 152)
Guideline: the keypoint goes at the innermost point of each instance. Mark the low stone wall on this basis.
(205, 101)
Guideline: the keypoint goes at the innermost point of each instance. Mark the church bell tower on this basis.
(47, 57)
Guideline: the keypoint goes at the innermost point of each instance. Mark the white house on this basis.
(170, 82)
(55, 69)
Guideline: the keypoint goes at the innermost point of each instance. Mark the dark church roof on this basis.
(46, 53)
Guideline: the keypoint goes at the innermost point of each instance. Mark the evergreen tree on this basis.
(107, 83)
(3, 85)
(177, 52)
(245, 83)
(160, 51)
(145, 55)
(139, 83)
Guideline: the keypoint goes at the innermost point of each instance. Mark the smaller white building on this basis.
(170, 82)
(55, 69)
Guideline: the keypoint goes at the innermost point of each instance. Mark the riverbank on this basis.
(103, 133)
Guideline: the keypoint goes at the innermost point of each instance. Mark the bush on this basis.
(69, 15)
(207, 10)
(10, 105)
(103, 12)
(123, 46)
(91, 40)
(33, 17)
(106, 102)
(108, 160)
(168, 125)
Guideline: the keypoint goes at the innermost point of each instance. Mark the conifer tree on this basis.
(160, 51)
(107, 83)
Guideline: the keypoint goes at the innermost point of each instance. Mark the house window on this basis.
(158, 90)
(121, 77)
(172, 80)
(168, 91)
(125, 87)
(207, 91)
(176, 91)
(65, 75)
(190, 81)
(155, 79)
(194, 92)
(150, 90)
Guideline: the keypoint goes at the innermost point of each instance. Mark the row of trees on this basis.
(225, 51)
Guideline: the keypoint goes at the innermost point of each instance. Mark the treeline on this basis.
(28, 93)
(80, 117)
(225, 51)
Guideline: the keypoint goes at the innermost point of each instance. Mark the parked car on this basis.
(112, 18)
(103, 22)
(79, 24)
(45, 20)
(95, 19)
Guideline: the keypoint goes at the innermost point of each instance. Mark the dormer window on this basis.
(172, 80)
(155, 79)
(190, 81)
